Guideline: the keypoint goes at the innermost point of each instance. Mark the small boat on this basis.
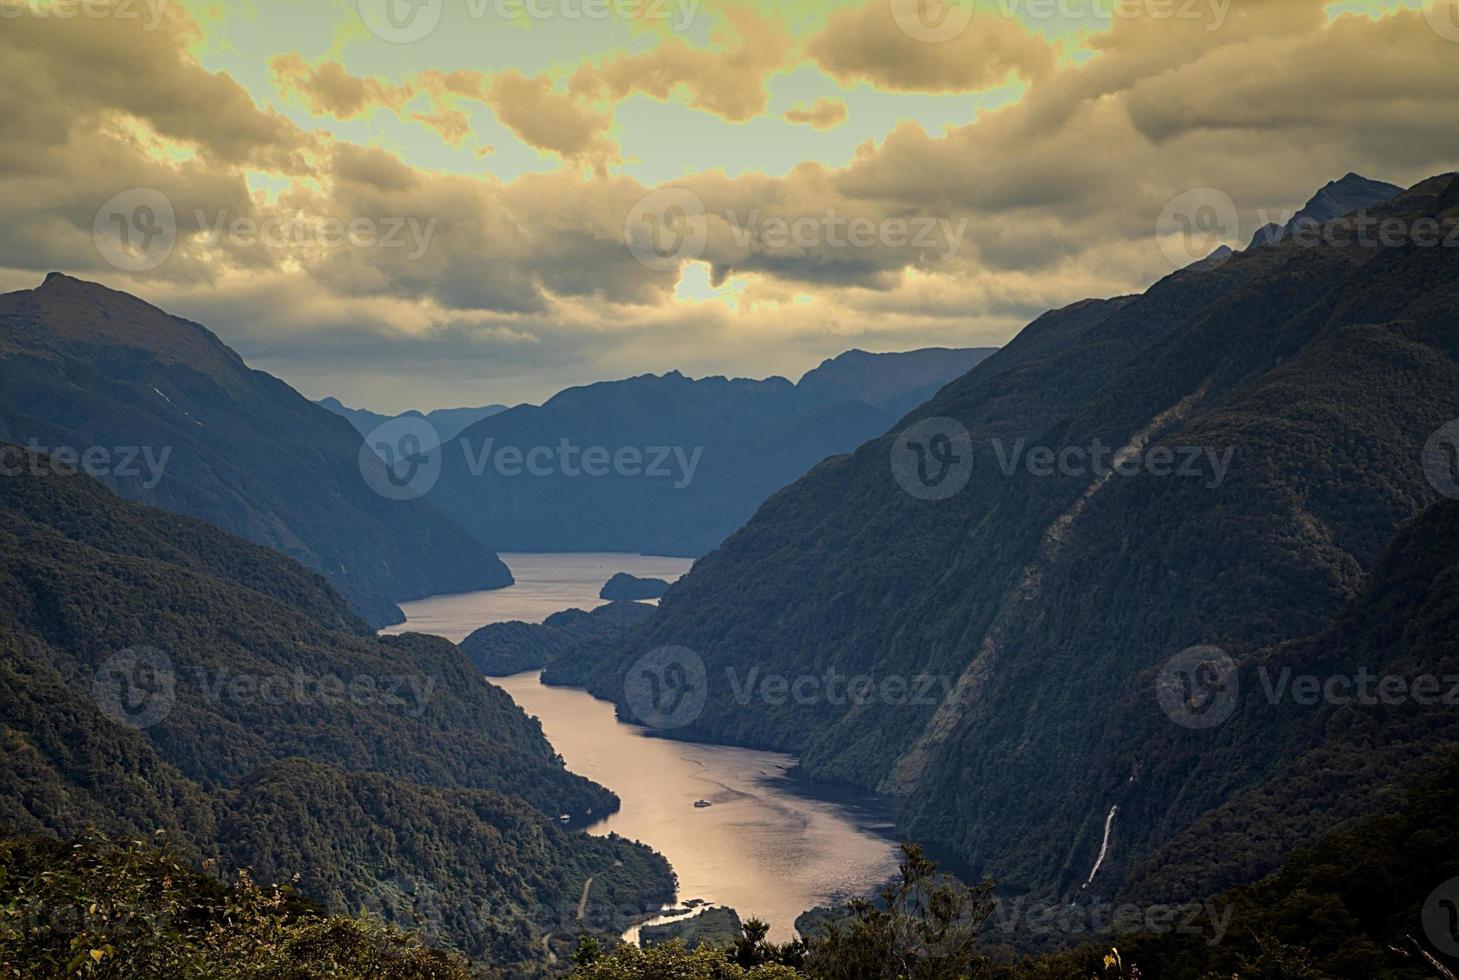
(565, 818)
(701, 804)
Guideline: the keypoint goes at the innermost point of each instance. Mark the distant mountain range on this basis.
(667, 464)
(1277, 421)
(160, 674)
(446, 422)
(175, 419)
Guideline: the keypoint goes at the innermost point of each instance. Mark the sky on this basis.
(430, 203)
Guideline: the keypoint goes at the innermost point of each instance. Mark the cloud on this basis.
(61, 76)
(727, 79)
(329, 90)
(511, 289)
(867, 44)
(548, 119)
(824, 114)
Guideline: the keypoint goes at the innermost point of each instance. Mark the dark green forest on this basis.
(278, 735)
(1355, 907)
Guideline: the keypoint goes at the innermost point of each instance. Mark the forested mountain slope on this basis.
(162, 674)
(178, 421)
(1271, 414)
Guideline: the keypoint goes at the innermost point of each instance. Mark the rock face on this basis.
(1307, 389)
(1335, 200)
(631, 588)
(183, 424)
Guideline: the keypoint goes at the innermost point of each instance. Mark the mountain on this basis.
(1013, 594)
(447, 422)
(174, 419)
(162, 674)
(1336, 199)
(668, 464)
(895, 383)
(632, 588)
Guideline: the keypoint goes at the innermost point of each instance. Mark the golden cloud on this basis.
(727, 80)
(330, 90)
(867, 44)
(1057, 194)
(548, 119)
(824, 114)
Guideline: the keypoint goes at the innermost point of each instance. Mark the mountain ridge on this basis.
(702, 454)
(91, 369)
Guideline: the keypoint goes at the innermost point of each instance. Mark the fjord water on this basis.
(545, 584)
(769, 846)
